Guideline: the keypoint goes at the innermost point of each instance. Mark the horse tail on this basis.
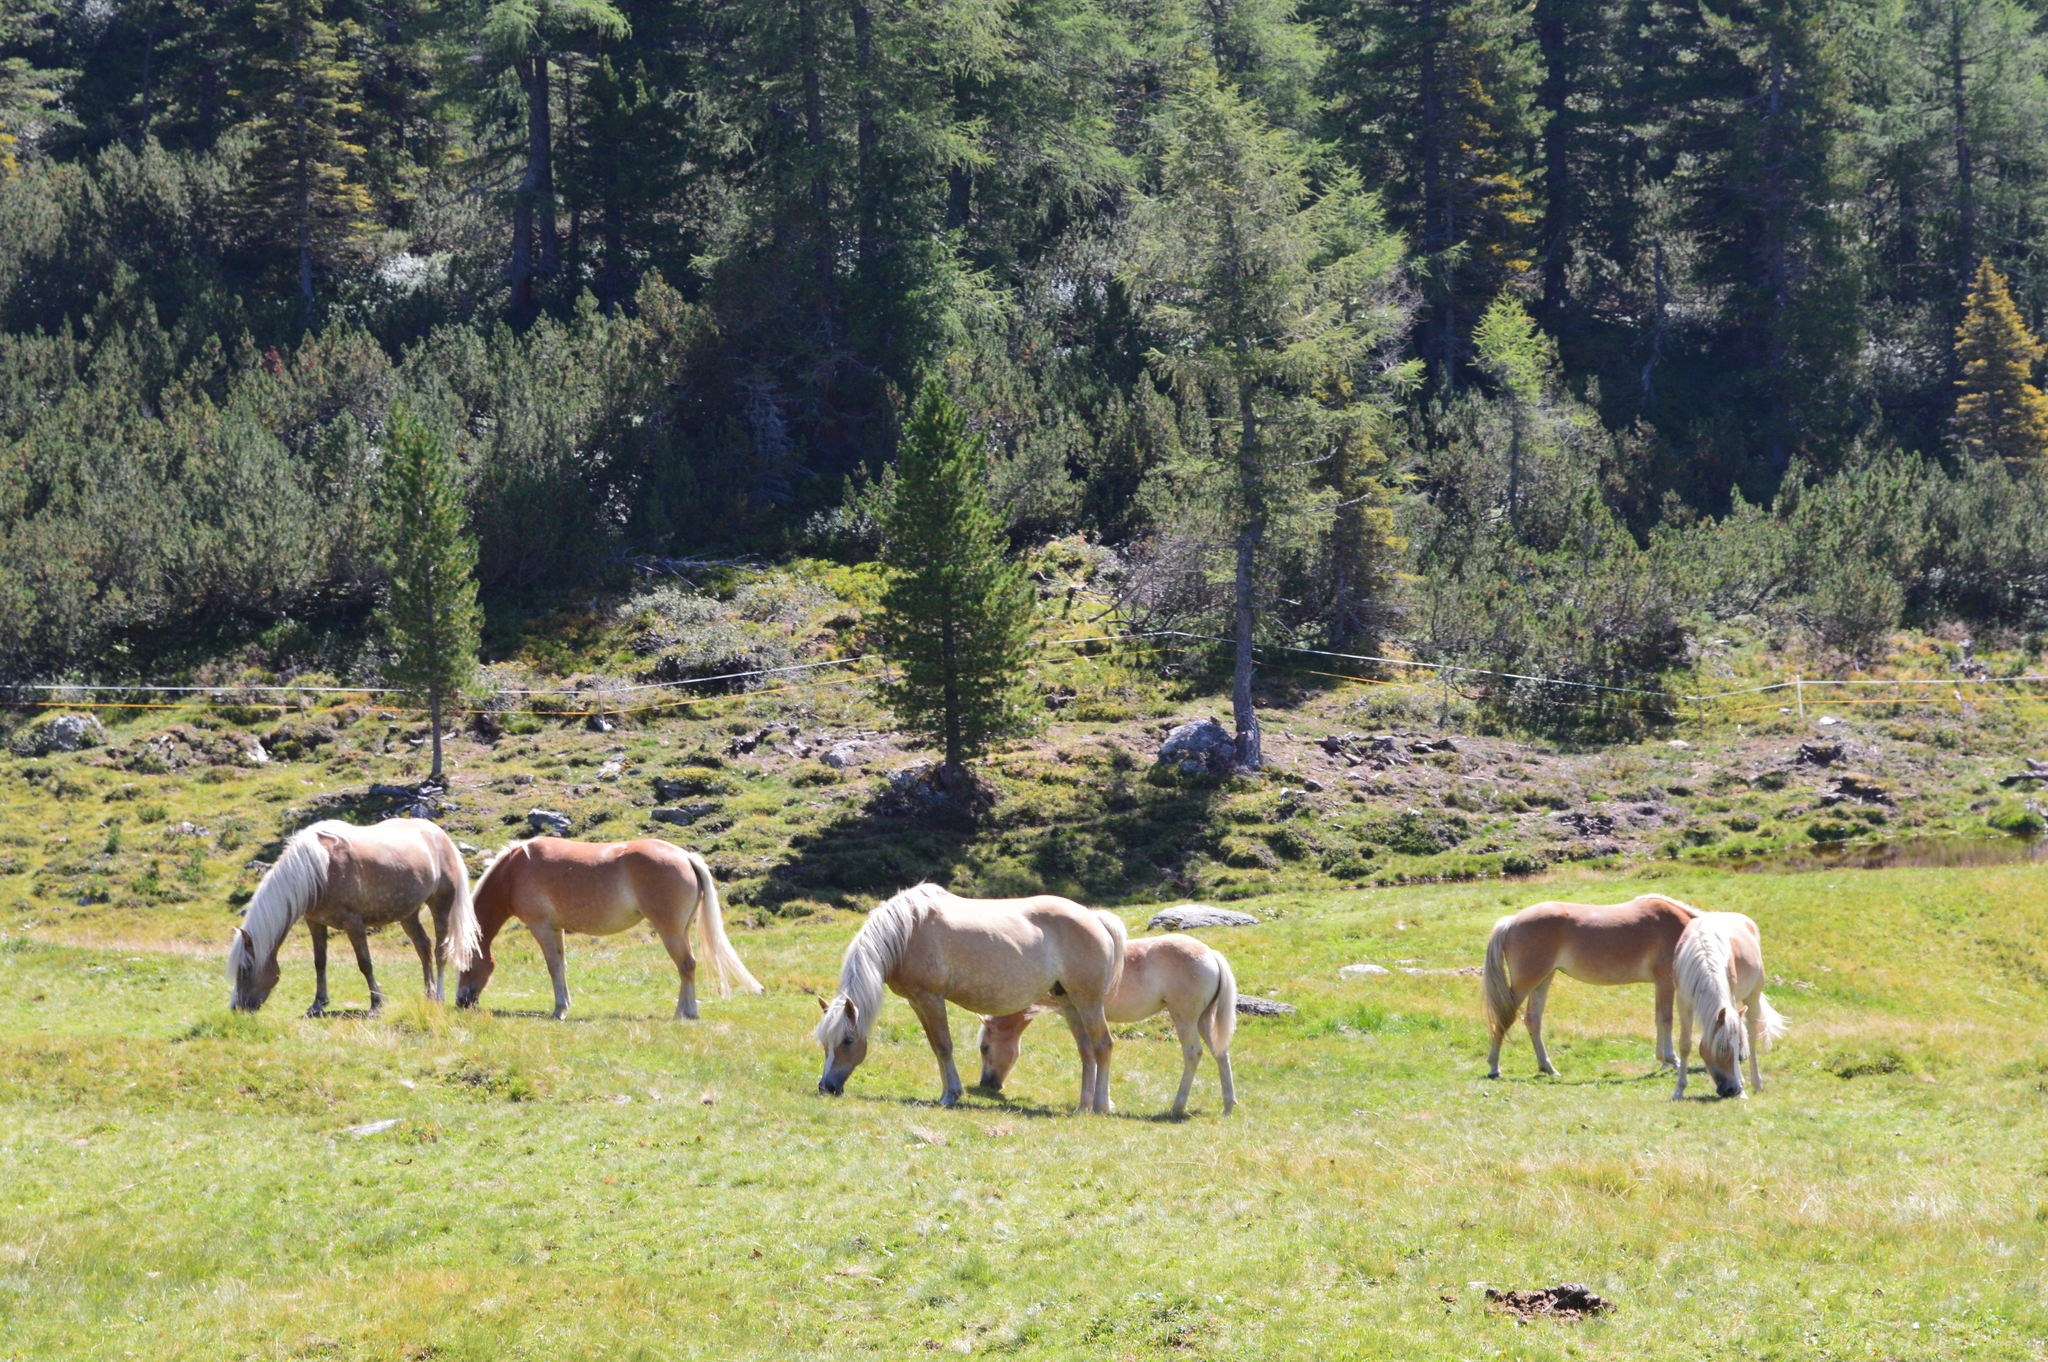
(1218, 1022)
(1774, 1024)
(1501, 1004)
(465, 938)
(711, 928)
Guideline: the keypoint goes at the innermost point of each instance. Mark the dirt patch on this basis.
(1568, 1302)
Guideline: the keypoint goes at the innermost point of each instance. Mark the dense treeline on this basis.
(1526, 332)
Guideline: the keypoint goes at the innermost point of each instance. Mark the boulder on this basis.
(1428, 745)
(1205, 743)
(1587, 824)
(1249, 1005)
(845, 754)
(58, 733)
(1818, 753)
(1365, 971)
(551, 822)
(1192, 915)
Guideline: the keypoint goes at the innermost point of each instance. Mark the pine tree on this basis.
(430, 612)
(302, 184)
(958, 609)
(1520, 360)
(2001, 414)
(1267, 301)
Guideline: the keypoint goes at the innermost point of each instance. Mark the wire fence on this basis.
(1796, 696)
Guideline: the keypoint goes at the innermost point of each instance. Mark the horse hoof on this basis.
(316, 1011)
(949, 1099)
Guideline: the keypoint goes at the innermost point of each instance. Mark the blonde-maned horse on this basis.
(1720, 970)
(992, 956)
(554, 885)
(340, 877)
(1188, 979)
(1610, 943)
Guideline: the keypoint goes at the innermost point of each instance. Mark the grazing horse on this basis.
(993, 956)
(1720, 969)
(344, 878)
(1613, 943)
(554, 885)
(1188, 979)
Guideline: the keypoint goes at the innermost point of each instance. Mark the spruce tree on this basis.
(2001, 414)
(958, 609)
(430, 612)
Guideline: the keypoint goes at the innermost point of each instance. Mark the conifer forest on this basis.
(1538, 336)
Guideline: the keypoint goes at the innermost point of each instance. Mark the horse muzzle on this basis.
(991, 1081)
(832, 1087)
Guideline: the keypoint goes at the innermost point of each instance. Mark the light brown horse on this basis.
(344, 878)
(992, 956)
(1185, 978)
(1720, 968)
(554, 885)
(1615, 943)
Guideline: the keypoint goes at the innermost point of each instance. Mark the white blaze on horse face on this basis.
(1721, 1049)
(845, 1048)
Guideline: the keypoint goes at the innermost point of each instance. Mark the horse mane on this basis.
(491, 863)
(872, 953)
(1701, 964)
(283, 895)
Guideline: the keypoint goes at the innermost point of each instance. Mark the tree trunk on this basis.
(1554, 97)
(1966, 169)
(305, 175)
(434, 710)
(519, 271)
(1437, 238)
(1242, 716)
(867, 139)
(533, 207)
(821, 181)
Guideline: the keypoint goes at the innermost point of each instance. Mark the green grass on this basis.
(181, 1182)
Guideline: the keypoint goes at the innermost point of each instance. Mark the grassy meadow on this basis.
(184, 1182)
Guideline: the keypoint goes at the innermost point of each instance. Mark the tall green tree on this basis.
(429, 612)
(958, 608)
(2000, 414)
(303, 184)
(1268, 300)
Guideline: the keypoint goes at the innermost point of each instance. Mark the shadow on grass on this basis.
(1101, 832)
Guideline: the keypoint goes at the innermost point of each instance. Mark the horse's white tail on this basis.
(1500, 993)
(465, 939)
(711, 929)
(1218, 1022)
(1774, 1025)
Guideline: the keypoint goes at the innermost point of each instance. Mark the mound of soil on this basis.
(1570, 1301)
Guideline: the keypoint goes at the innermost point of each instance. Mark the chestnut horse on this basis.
(1188, 979)
(1720, 967)
(344, 878)
(1615, 943)
(554, 885)
(992, 956)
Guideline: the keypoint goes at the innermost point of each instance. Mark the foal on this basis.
(1188, 979)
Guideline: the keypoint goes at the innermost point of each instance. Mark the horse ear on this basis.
(821, 1002)
(852, 1014)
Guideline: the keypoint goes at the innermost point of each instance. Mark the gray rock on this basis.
(683, 815)
(1465, 971)
(550, 821)
(1191, 915)
(1366, 971)
(1251, 1006)
(611, 770)
(846, 754)
(59, 733)
(1204, 742)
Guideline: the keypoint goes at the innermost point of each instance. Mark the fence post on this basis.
(1799, 694)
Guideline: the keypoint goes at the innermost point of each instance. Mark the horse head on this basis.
(839, 1031)
(253, 979)
(1001, 1040)
(1721, 1049)
(470, 984)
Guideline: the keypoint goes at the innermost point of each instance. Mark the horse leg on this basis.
(549, 938)
(1684, 1048)
(1753, 1022)
(319, 1007)
(360, 939)
(1533, 1015)
(1189, 1031)
(417, 934)
(931, 1014)
(677, 940)
(1667, 989)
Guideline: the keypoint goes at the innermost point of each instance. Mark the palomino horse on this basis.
(1720, 969)
(1188, 979)
(994, 956)
(598, 888)
(1614, 943)
(344, 878)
